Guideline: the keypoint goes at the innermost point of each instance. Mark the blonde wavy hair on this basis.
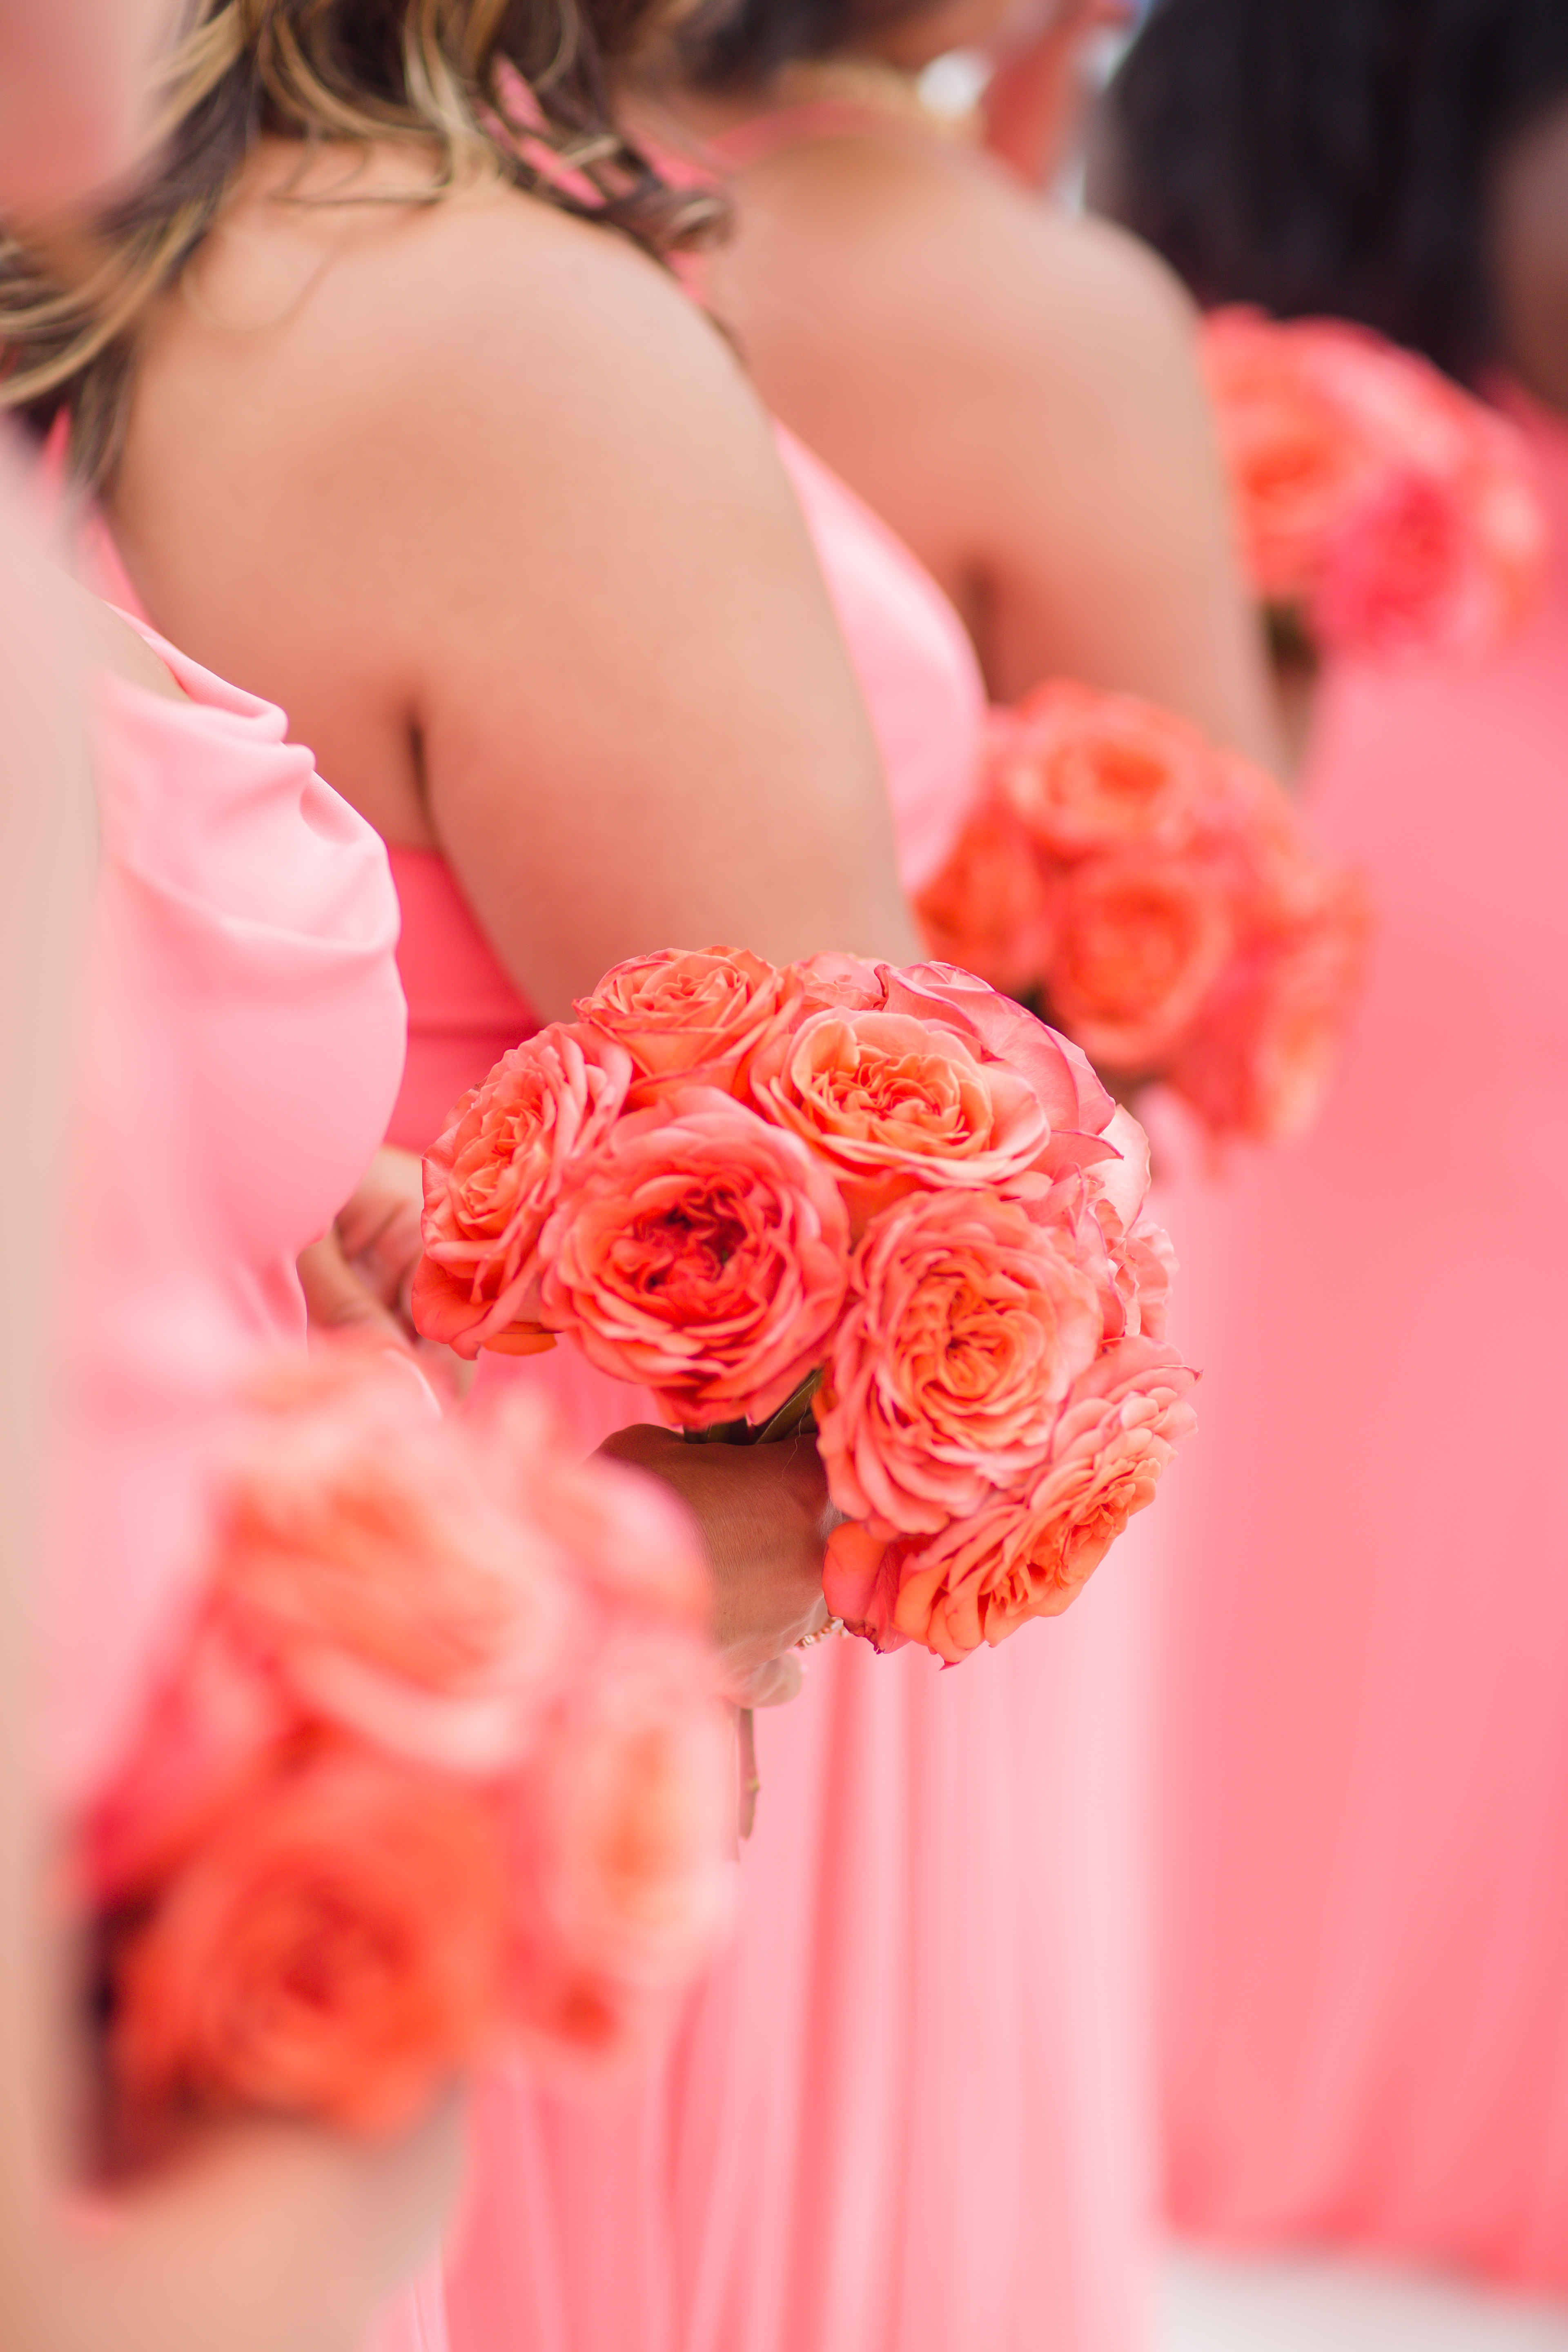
(519, 89)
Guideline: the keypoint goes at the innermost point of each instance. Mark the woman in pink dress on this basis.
(239, 1035)
(1362, 1745)
(1013, 389)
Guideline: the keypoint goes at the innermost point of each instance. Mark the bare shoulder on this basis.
(357, 295)
(942, 252)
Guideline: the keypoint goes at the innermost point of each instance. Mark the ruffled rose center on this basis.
(695, 1253)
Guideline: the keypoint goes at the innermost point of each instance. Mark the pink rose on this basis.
(889, 1103)
(1143, 1269)
(1085, 772)
(833, 982)
(372, 1556)
(704, 1253)
(1079, 1109)
(494, 1177)
(690, 1018)
(966, 1326)
(1029, 1552)
(621, 1834)
(338, 1952)
(1140, 939)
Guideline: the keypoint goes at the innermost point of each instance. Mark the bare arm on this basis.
(1017, 392)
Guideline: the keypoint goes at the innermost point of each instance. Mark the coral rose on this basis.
(495, 1176)
(690, 1018)
(621, 1835)
(374, 1558)
(215, 1729)
(1141, 940)
(987, 909)
(889, 1102)
(1029, 1552)
(860, 1583)
(1298, 475)
(703, 1253)
(1084, 772)
(1398, 512)
(336, 1953)
(967, 1325)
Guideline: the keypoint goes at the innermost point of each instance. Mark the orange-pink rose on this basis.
(215, 1729)
(690, 1017)
(888, 1102)
(494, 1177)
(1085, 772)
(1397, 511)
(370, 1554)
(1028, 1552)
(1298, 475)
(337, 1952)
(966, 1326)
(1260, 1061)
(987, 909)
(1139, 941)
(1080, 1112)
(703, 1253)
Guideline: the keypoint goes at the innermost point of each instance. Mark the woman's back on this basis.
(1013, 390)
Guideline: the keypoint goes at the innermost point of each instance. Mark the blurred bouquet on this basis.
(438, 1770)
(887, 1198)
(1382, 510)
(1158, 899)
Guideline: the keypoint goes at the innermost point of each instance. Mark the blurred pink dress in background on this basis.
(1362, 1727)
(243, 1036)
(907, 2112)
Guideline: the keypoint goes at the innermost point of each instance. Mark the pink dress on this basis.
(1363, 1727)
(905, 2114)
(243, 1039)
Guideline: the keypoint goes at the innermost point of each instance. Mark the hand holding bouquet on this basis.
(1382, 510)
(1158, 897)
(893, 1191)
(436, 1772)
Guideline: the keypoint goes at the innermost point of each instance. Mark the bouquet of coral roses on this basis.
(1158, 899)
(1382, 510)
(436, 1770)
(888, 1200)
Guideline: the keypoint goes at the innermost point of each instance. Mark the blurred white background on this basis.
(1339, 2306)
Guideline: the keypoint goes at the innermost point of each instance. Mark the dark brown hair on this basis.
(516, 89)
(1335, 155)
(743, 46)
